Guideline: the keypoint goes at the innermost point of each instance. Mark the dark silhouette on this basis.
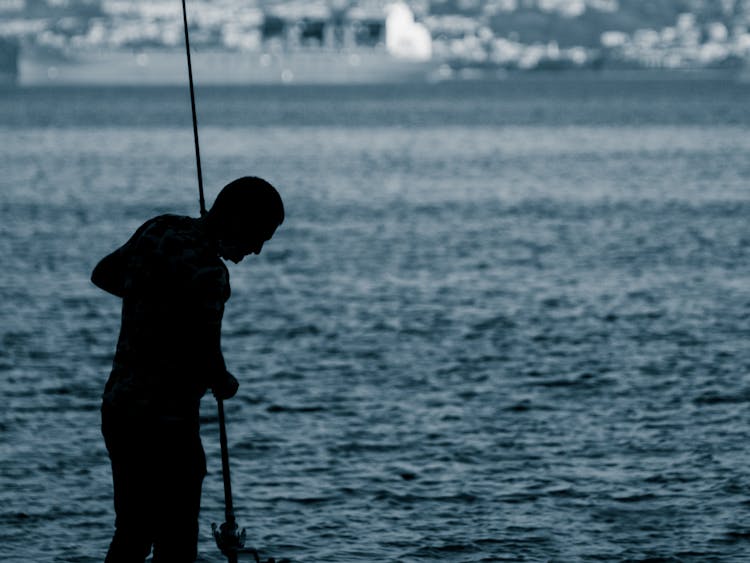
(173, 286)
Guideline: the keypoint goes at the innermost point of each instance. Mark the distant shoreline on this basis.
(633, 74)
(567, 75)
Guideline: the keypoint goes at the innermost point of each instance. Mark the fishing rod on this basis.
(201, 199)
(229, 538)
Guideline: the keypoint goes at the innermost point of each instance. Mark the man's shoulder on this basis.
(174, 250)
(172, 235)
(182, 241)
(175, 238)
(168, 225)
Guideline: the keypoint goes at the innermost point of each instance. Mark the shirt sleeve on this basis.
(112, 273)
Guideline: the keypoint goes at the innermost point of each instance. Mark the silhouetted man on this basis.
(173, 286)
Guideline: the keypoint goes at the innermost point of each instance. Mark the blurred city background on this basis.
(506, 318)
(364, 40)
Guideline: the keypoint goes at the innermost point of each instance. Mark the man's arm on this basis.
(110, 274)
(211, 287)
(222, 383)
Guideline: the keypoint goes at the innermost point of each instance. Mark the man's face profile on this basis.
(239, 241)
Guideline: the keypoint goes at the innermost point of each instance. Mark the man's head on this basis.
(244, 215)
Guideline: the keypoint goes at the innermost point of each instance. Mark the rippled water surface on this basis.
(502, 322)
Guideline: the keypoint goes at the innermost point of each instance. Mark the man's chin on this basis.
(236, 258)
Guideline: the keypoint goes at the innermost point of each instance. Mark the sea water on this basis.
(503, 321)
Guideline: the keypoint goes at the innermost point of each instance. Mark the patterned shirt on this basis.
(174, 286)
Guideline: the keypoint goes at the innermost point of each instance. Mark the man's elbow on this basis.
(97, 276)
(104, 278)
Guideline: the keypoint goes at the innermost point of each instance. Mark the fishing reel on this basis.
(231, 541)
(229, 538)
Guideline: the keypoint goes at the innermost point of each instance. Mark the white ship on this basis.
(294, 51)
(165, 67)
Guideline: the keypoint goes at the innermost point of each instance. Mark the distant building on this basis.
(314, 26)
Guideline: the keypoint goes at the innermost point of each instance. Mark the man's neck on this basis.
(209, 230)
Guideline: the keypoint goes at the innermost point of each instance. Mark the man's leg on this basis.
(182, 464)
(132, 477)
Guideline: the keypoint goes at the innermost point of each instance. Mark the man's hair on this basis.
(249, 197)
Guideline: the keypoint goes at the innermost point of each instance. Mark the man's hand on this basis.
(225, 387)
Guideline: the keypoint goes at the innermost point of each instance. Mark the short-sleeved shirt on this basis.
(174, 287)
